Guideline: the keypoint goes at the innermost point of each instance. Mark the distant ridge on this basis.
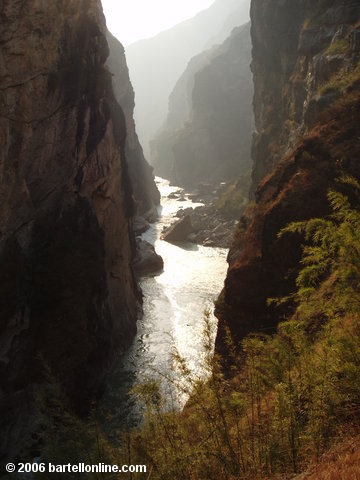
(155, 64)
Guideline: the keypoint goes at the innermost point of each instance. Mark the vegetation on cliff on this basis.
(286, 389)
(234, 200)
(291, 395)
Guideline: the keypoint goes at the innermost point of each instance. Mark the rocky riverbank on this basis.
(205, 224)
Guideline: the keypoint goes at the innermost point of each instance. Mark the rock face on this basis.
(141, 174)
(147, 261)
(209, 141)
(156, 64)
(307, 105)
(69, 298)
(210, 228)
(301, 50)
(180, 106)
(179, 231)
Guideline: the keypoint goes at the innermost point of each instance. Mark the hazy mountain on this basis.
(207, 134)
(155, 64)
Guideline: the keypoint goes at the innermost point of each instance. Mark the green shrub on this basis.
(340, 80)
(235, 199)
(291, 394)
(340, 47)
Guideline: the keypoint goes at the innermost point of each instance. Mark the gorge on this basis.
(104, 361)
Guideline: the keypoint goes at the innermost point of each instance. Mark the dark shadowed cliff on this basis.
(68, 295)
(307, 105)
(207, 135)
(141, 174)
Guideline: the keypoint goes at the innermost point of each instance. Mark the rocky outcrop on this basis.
(210, 228)
(179, 231)
(304, 54)
(69, 299)
(141, 174)
(147, 261)
(211, 142)
(157, 63)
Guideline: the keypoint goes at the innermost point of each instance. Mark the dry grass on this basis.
(341, 463)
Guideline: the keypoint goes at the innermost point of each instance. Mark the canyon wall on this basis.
(306, 104)
(69, 300)
(301, 51)
(207, 135)
(141, 174)
(159, 61)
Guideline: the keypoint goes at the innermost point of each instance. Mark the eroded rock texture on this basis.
(305, 63)
(68, 295)
(299, 48)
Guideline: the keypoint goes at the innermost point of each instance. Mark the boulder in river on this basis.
(147, 261)
(172, 195)
(179, 231)
(184, 211)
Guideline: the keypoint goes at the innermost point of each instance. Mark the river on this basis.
(174, 305)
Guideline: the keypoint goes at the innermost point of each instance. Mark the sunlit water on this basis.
(174, 305)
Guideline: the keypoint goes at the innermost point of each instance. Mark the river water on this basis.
(174, 305)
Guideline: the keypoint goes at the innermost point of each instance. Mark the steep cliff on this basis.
(141, 174)
(210, 141)
(156, 63)
(68, 295)
(179, 111)
(303, 52)
(307, 94)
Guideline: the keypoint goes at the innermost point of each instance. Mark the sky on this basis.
(132, 20)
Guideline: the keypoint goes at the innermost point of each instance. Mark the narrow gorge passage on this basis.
(174, 305)
(157, 158)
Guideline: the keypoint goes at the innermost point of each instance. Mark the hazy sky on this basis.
(131, 20)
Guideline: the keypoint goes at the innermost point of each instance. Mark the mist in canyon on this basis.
(179, 237)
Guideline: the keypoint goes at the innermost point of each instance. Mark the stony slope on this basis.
(305, 60)
(69, 299)
(207, 135)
